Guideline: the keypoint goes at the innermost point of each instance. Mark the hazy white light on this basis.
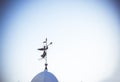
(83, 35)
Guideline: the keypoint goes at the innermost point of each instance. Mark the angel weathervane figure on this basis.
(44, 49)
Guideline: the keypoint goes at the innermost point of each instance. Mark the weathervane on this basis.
(44, 49)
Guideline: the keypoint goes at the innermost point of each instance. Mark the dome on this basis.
(44, 76)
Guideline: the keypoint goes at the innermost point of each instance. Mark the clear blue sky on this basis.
(84, 35)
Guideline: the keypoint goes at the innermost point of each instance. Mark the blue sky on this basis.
(85, 40)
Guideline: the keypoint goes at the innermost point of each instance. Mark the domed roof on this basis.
(44, 76)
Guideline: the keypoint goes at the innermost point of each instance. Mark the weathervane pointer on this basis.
(44, 49)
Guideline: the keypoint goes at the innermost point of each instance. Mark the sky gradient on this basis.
(85, 36)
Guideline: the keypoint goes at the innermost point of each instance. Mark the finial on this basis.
(46, 66)
(44, 49)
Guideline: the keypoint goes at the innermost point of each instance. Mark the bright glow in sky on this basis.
(84, 36)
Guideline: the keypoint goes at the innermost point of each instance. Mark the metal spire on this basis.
(44, 49)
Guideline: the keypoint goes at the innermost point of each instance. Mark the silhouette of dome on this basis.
(44, 76)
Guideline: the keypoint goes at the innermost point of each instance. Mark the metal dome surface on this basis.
(44, 76)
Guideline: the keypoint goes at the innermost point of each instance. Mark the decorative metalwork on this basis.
(44, 49)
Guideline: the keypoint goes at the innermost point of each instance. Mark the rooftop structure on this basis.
(44, 76)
